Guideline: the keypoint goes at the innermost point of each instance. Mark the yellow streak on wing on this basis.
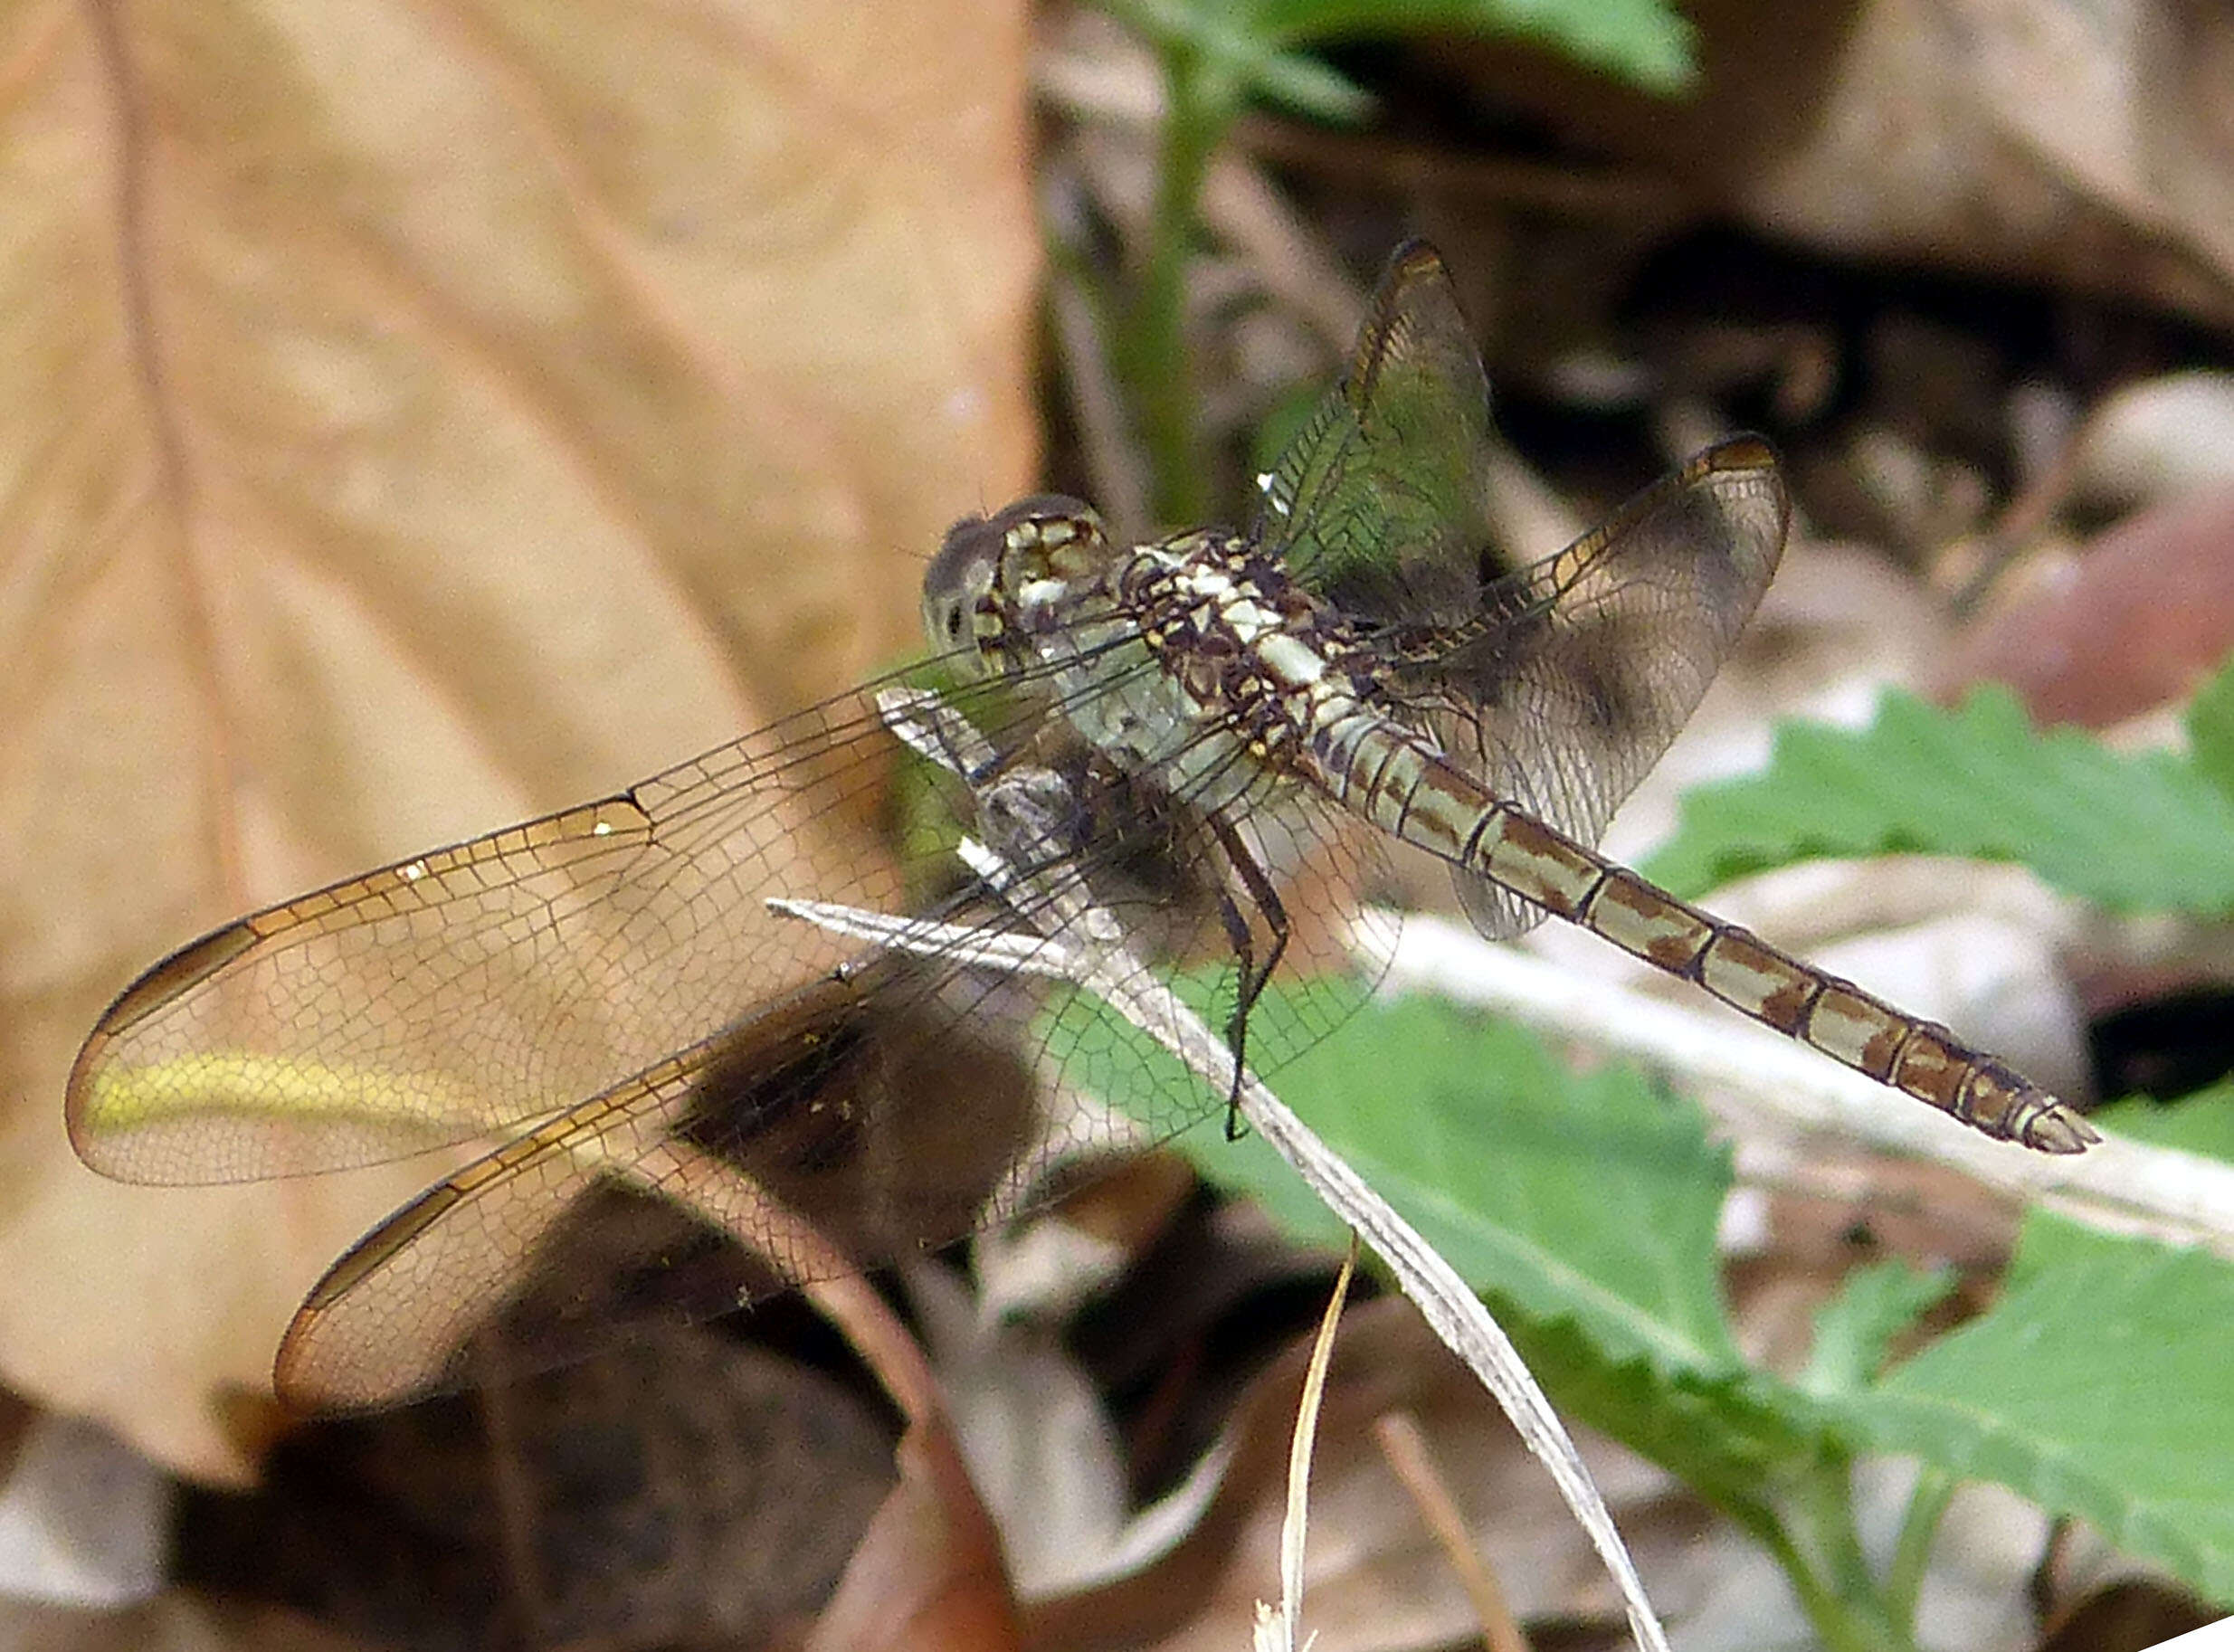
(250, 1086)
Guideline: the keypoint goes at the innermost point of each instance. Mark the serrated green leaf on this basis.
(1855, 1328)
(2211, 729)
(2202, 1123)
(1584, 1206)
(1585, 1197)
(2101, 1384)
(2136, 833)
(1732, 1440)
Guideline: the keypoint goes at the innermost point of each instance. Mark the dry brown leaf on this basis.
(2139, 621)
(929, 1575)
(1375, 1574)
(685, 1489)
(2082, 145)
(414, 418)
(177, 1622)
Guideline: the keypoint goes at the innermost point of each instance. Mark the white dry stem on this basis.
(1749, 1075)
(1085, 944)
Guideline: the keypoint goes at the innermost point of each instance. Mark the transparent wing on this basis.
(615, 971)
(463, 992)
(1575, 673)
(1377, 504)
(861, 1116)
(1558, 684)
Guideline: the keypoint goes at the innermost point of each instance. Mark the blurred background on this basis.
(414, 418)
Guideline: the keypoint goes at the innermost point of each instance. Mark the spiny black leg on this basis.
(1253, 979)
(1243, 941)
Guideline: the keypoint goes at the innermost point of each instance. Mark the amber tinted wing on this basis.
(463, 992)
(1559, 684)
(1579, 670)
(1377, 504)
(468, 991)
(616, 971)
(857, 1117)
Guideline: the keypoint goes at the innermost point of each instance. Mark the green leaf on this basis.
(1640, 41)
(1586, 1197)
(2211, 729)
(1224, 54)
(1302, 84)
(1583, 1205)
(2202, 1123)
(2136, 833)
(2101, 1384)
(1854, 1329)
(1643, 41)
(1735, 1440)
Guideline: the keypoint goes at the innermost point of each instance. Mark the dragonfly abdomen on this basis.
(1409, 789)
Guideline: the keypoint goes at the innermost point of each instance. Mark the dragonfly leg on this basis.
(1001, 752)
(1243, 941)
(982, 777)
(1253, 976)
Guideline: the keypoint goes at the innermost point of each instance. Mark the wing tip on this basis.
(1415, 257)
(1752, 465)
(91, 1111)
(188, 967)
(1744, 451)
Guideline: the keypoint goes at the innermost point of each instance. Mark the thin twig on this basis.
(1402, 1442)
(1433, 171)
(1296, 1519)
(1114, 465)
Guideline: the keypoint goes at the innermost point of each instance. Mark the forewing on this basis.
(1377, 505)
(625, 952)
(463, 992)
(894, 1104)
(1560, 684)
(1581, 669)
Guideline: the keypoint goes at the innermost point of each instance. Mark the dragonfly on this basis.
(1239, 725)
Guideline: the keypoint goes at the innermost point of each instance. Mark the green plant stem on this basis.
(1821, 1551)
(1203, 100)
(1816, 1598)
(1927, 1503)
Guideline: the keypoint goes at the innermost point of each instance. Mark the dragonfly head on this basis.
(974, 588)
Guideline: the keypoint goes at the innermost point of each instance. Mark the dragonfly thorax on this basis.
(1249, 648)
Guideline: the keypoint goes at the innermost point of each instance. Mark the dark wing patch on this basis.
(1577, 672)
